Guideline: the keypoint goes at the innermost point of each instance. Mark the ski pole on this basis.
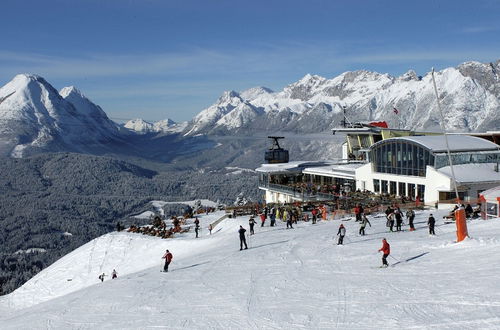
(394, 258)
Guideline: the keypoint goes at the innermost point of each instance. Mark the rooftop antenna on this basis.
(345, 122)
(460, 213)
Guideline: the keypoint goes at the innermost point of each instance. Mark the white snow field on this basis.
(287, 279)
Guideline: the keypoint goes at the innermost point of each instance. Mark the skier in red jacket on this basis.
(168, 258)
(386, 250)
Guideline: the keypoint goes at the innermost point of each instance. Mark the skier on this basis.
(399, 219)
(168, 258)
(288, 220)
(341, 234)
(114, 274)
(431, 222)
(410, 215)
(386, 250)
(262, 219)
(251, 223)
(390, 221)
(210, 227)
(197, 226)
(357, 213)
(314, 213)
(273, 216)
(364, 222)
(101, 277)
(242, 231)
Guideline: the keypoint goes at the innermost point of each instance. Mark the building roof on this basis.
(295, 166)
(347, 171)
(457, 143)
(473, 173)
(492, 193)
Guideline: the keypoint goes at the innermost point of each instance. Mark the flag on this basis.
(396, 111)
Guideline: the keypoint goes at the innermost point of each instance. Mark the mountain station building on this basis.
(393, 162)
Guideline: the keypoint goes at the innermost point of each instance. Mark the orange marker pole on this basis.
(461, 223)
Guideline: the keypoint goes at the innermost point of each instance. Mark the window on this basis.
(402, 188)
(392, 188)
(397, 156)
(421, 192)
(384, 187)
(376, 185)
(411, 190)
(441, 160)
(492, 209)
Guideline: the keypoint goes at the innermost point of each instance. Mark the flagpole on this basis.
(460, 218)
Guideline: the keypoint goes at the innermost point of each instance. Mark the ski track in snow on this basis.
(288, 278)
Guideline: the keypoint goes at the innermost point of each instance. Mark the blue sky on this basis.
(159, 58)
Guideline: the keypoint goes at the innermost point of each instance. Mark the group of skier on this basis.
(391, 214)
(114, 275)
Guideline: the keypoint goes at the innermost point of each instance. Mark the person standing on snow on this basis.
(168, 258)
(357, 213)
(114, 274)
(251, 223)
(288, 219)
(262, 219)
(410, 215)
(314, 213)
(273, 216)
(210, 227)
(386, 250)
(364, 222)
(101, 277)
(242, 231)
(399, 219)
(431, 222)
(390, 221)
(197, 226)
(341, 234)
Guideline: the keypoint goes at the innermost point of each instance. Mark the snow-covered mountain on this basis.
(141, 126)
(34, 118)
(470, 96)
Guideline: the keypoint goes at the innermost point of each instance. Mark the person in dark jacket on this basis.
(251, 223)
(469, 211)
(341, 234)
(288, 218)
(386, 250)
(242, 231)
(399, 219)
(168, 258)
(197, 226)
(431, 222)
(272, 216)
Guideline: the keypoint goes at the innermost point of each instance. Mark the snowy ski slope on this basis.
(288, 279)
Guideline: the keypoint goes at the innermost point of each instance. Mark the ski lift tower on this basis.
(275, 154)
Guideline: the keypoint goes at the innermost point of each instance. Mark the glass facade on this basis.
(400, 157)
(467, 158)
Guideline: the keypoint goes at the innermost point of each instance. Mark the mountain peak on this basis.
(254, 92)
(228, 96)
(66, 91)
